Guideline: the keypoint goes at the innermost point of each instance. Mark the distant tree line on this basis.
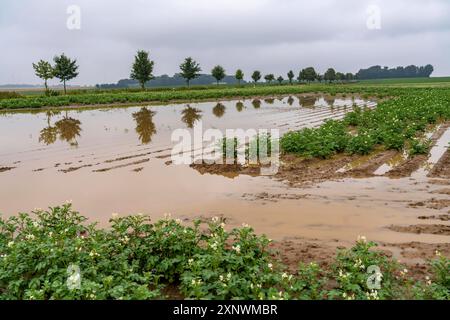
(412, 71)
(169, 81)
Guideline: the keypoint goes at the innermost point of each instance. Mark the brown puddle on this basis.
(436, 153)
(392, 163)
(118, 160)
(442, 168)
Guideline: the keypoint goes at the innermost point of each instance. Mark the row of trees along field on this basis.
(65, 69)
(190, 69)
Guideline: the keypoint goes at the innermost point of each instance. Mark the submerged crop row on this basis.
(396, 124)
(55, 255)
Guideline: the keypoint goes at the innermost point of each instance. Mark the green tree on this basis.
(301, 75)
(190, 69)
(65, 69)
(256, 76)
(239, 76)
(142, 69)
(319, 77)
(218, 72)
(427, 70)
(349, 76)
(44, 70)
(280, 80)
(340, 76)
(269, 78)
(307, 74)
(330, 75)
(290, 76)
(310, 74)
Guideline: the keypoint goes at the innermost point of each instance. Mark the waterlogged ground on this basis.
(118, 160)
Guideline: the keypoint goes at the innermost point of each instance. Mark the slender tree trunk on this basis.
(143, 85)
(188, 83)
(46, 87)
(65, 92)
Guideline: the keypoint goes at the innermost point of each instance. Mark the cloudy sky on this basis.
(273, 36)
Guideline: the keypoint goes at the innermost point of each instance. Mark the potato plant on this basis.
(56, 254)
(393, 125)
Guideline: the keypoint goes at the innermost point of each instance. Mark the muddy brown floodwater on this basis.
(118, 160)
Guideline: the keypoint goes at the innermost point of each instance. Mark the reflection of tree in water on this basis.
(68, 130)
(49, 134)
(269, 100)
(145, 127)
(239, 106)
(290, 101)
(330, 100)
(307, 101)
(190, 116)
(219, 110)
(256, 103)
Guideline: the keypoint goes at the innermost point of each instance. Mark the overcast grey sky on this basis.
(273, 36)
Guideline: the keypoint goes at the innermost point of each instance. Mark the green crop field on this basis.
(164, 95)
(397, 122)
(435, 81)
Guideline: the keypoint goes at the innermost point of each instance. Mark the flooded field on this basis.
(118, 160)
